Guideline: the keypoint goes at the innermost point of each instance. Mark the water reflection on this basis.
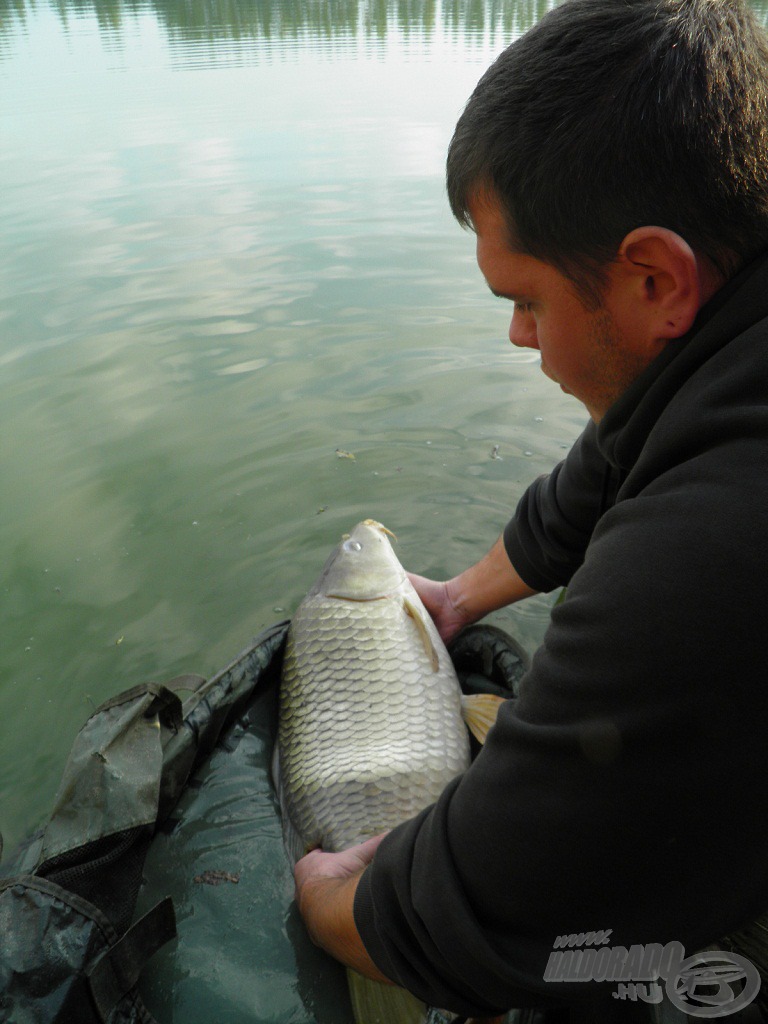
(354, 23)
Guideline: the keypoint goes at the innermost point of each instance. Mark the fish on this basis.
(371, 724)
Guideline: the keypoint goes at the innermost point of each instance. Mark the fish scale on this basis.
(369, 733)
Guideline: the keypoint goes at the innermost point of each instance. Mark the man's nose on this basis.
(522, 329)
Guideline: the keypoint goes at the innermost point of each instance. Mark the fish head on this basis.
(363, 567)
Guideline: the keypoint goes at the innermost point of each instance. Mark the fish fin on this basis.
(373, 1002)
(426, 639)
(479, 712)
(295, 846)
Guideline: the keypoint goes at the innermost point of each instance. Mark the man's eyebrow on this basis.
(505, 295)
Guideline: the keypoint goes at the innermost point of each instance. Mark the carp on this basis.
(371, 718)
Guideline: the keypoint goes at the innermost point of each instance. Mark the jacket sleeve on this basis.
(549, 533)
(625, 790)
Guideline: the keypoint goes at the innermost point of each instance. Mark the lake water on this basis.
(226, 253)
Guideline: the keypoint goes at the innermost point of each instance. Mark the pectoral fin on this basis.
(479, 712)
(426, 639)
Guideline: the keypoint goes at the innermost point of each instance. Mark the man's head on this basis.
(614, 114)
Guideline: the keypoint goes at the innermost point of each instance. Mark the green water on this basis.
(226, 253)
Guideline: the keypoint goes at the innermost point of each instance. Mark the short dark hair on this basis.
(612, 114)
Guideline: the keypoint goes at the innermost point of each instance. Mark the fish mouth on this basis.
(379, 526)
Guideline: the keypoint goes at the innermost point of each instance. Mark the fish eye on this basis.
(352, 545)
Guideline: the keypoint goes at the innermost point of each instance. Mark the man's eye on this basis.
(523, 307)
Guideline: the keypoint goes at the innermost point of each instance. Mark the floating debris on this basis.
(119, 641)
(341, 454)
(495, 452)
(323, 508)
(216, 877)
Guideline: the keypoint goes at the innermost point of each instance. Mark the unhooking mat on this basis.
(242, 954)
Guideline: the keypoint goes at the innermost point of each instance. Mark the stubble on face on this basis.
(613, 368)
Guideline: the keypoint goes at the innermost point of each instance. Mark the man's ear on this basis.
(663, 275)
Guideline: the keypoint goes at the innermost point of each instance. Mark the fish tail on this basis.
(373, 1002)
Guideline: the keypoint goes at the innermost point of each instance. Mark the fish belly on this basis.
(369, 732)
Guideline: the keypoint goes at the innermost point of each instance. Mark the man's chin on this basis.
(546, 371)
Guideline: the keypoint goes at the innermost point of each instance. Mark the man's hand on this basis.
(325, 893)
(490, 584)
(438, 602)
(317, 864)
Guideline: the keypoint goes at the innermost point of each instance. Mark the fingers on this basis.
(318, 864)
(365, 851)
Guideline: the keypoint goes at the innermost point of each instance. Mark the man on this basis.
(613, 164)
